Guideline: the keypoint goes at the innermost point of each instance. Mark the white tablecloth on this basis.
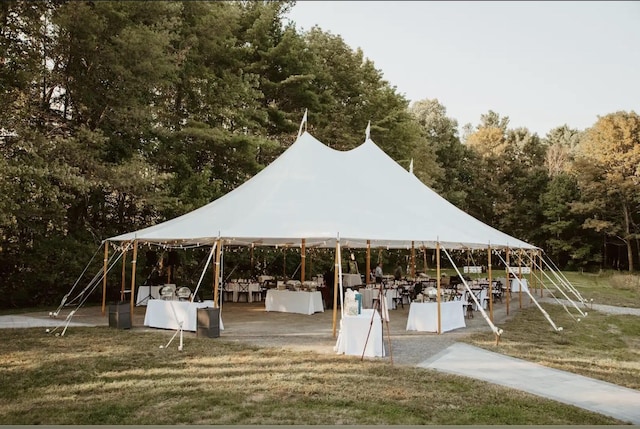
(293, 302)
(349, 280)
(353, 335)
(244, 287)
(143, 294)
(369, 293)
(167, 314)
(423, 316)
(515, 285)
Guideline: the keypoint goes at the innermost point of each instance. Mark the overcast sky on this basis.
(542, 64)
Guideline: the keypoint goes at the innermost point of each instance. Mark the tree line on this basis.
(118, 115)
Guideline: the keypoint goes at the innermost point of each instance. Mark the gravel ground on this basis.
(249, 323)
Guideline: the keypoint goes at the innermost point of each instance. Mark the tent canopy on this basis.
(319, 194)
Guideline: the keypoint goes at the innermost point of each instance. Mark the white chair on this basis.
(168, 292)
(184, 293)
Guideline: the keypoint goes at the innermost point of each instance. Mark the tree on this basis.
(607, 167)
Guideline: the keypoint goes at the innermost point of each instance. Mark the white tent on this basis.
(319, 194)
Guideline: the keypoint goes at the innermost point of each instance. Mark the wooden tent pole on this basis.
(424, 255)
(413, 260)
(303, 260)
(124, 272)
(520, 279)
(540, 268)
(104, 277)
(438, 284)
(133, 277)
(216, 279)
(468, 260)
(490, 284)
(368, 264)
(335, 290)
(251, 259)
(508, 281)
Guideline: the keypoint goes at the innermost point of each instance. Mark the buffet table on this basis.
(353, 335)
(293, 302)
(166, 314)
(423, 316)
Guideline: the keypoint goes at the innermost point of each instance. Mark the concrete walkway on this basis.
(594, 395)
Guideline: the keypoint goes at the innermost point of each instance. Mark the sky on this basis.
(542, 64)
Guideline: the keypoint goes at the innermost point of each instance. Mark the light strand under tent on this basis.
(521, 286)
(558, 287)
(497, 331)
(96, 281)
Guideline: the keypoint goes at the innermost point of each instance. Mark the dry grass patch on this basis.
(107, 376)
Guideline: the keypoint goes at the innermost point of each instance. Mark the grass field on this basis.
(106, 376)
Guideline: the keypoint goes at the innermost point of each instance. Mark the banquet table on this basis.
(353, 335)
(349, 280)
(293, 302)
(143, 293)
(368, 294)
(167, 314)
(423, 316)
(515, 285)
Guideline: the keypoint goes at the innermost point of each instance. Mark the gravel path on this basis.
(249, 323)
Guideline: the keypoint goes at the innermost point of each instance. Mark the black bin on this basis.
(208, 323)
(120, 315)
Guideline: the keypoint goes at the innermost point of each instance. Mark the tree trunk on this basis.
(627, 238)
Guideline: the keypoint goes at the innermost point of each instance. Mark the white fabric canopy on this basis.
(320, 194)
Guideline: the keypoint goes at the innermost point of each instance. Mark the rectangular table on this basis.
(515, 285)
(349, 280)
(293, 302)
(368, 294)
(353, 335)
(423, 316)
(166, 314)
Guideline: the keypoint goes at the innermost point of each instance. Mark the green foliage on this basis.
(117, 115)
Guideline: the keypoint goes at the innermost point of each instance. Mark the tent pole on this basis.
(438, 284)
(519, 278)
(133, 277)
(368, 269)
(251, 257)
(216, 273)
(413, 260)
(490, 284)
(303, 260)
(508, 280)
(335, 289)
(104, 276)
(539, 254)
(467, 260)
(124, 273)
